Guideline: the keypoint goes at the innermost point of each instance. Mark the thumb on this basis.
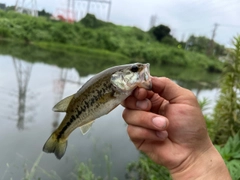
(172, 92)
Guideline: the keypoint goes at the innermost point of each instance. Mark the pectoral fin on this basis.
(62, 105)
(85, 128)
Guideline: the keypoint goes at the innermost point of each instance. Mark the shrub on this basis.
(226, 113)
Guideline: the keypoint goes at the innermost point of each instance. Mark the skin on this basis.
(167, 124)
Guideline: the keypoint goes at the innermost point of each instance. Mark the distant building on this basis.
(2, 6)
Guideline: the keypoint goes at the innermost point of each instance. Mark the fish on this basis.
(97, 97)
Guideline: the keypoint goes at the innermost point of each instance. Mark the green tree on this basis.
(169, 40)
(201, 44)
(161, 31)
(44, 13)
(162, 34)
(10, 8)
(92, 22)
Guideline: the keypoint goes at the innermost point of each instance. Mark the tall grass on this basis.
(226, 114)
(85, 171)
(31, 170)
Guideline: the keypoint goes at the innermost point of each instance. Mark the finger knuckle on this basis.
(124, 114)
(129, 129)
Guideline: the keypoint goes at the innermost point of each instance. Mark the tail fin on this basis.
(56, 146)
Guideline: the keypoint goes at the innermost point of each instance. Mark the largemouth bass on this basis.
(97, 97)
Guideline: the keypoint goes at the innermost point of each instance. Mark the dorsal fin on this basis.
(62, 105)
(85, 128)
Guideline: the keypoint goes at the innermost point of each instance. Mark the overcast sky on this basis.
(184, 17)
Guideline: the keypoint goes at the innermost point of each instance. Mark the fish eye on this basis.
(134, 68)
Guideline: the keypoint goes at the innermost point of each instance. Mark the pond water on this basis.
(27, 94)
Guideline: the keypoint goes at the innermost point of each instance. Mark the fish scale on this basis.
(92, 97)
(97, 97)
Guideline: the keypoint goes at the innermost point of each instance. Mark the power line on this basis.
(230, 25)
(199, 28)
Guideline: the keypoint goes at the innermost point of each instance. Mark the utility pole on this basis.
(153, 21)
(68, 9)
(109, 10)
(88, 6)
(16, 5)
(211, 42)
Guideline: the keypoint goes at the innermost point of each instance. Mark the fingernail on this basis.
(136, 92)
(159, 122)
(162, 135)
(142, 104)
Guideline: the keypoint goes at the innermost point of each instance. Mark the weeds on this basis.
(30, 174)
(227, 114)
(231, 155)
(145, 168)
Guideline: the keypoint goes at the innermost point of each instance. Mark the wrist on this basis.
(206, 165)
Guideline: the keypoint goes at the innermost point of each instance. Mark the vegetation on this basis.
(226, 116)
(44, 13)
(162, 34)
(231, 155)
(145, 168)
(85, 171)
(201, 44)
(91, 33)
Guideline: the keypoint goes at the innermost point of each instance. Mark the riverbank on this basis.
(91, 37)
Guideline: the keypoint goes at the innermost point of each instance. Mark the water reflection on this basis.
(58, 90)
(23, 72)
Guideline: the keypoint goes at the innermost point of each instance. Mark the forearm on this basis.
(208, 165)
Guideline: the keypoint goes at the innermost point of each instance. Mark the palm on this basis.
(183, 129)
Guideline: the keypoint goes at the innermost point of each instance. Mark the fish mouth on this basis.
(145, 77)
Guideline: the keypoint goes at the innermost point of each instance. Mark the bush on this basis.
(231, 155)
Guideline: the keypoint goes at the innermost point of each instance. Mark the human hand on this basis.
(168, 125)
